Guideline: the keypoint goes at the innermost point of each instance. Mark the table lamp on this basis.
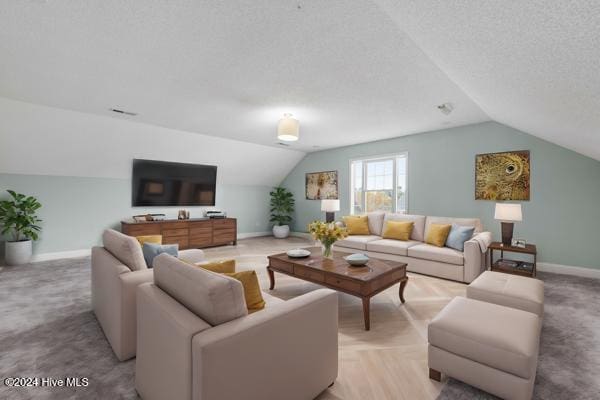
(330, 207)
(507, 214)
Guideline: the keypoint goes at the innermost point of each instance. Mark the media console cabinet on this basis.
(187, 233)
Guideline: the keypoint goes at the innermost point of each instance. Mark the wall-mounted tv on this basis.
(160, 183)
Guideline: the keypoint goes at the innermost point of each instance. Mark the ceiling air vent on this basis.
(132, 114)
(283, 144)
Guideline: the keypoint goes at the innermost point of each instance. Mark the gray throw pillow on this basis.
(151, 250)
(458, 236)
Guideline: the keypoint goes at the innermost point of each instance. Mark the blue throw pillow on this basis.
(151, 250)
(458, 236)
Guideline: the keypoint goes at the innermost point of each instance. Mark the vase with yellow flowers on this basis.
(327, 234)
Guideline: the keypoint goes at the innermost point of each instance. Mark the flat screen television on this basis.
(160, 183)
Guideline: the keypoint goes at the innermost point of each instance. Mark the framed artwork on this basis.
(322, 185)
(502, 176)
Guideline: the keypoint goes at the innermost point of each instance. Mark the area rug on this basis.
(570, 344)
(47, 330)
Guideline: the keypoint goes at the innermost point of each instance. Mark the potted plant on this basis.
(282, 205)
(19, 225)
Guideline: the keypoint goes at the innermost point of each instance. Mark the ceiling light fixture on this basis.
(446, 108)
(288, 128)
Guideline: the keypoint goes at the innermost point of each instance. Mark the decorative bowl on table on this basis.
(298, 253)
(357, 260)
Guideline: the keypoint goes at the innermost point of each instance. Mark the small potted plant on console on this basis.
(282, 205)
(19, 224)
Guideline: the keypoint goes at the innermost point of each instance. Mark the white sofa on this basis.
(195, 339)
(423, 258)
(117, 269)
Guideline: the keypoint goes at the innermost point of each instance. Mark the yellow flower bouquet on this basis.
(327, 234)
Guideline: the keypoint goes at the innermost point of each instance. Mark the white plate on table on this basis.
(298, 253)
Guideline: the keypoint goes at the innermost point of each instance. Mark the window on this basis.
(379, 184)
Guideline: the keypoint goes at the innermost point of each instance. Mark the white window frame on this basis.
(382, 157)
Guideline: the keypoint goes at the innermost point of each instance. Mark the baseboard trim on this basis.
(253, 234)
(303, 235)
(569, 270)
(61, 254)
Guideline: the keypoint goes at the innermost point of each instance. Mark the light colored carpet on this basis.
(47, 329)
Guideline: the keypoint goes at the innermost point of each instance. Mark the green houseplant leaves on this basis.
(282, 205)
(18, 217)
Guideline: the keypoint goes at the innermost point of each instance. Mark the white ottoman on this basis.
(514, 291)
(491, 347)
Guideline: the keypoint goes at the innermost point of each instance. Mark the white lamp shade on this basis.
(508, 212)
(288, 128)
(330, 205)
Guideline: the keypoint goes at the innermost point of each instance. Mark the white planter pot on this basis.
(281, 231)
(17, 253)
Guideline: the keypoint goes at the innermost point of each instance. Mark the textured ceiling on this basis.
(230, 68)
(532, 65)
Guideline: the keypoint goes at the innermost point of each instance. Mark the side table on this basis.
(509, 266)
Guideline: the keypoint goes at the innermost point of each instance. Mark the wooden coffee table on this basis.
(364, 282)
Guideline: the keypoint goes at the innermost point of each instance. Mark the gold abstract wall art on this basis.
(502, 176)
(322, 185)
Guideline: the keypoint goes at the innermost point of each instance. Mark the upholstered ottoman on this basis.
(491, 347)
(514, 291)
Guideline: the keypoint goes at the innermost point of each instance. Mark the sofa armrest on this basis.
(475, 255)
(287, 351)
(192, 256)
(163, 368)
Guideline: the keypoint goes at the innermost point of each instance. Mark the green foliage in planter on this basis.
(282, 205)
(17, 217)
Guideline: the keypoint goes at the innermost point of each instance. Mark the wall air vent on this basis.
(132, 114)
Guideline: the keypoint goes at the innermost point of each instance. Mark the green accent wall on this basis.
(562, 217)
(75, 210)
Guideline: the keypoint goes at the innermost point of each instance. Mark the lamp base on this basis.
(507, 232)
(329, 217)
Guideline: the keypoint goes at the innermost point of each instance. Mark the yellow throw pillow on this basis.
(399, 230)
(357, 224)
(156, 239)
(252, 292)
(438, 234)
(220, 267)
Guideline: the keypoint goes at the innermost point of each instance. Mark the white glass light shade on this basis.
(330, 205)
(288, 128)
(508, 212)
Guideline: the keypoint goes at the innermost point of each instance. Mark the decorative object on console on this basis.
(330, 206)
(327, 234)
(282, 205)
(508, 214)
(20, 223)
(183, 214)
(149, 217)
(502, 176)
(288, 128)
(215, 214)
(322, 185)
(522, 243)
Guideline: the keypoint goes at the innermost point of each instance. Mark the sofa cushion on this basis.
(437, 234)
(418, 232)
(458, 236)
(514, 291)
(213, 297)
(151, 250)
(156, 239)
(449, 221)
(252, 292)
(125, 249)
(271, 300)
(358, 242)
(433, 253)
(357, 224)
(376, 222)
(391, 246)
(499, 337)
(221, 267)
(399, 230)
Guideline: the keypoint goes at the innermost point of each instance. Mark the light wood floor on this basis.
(389, 361)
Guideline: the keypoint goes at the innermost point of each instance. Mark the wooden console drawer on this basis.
(224, 223)
(345, 284)
(200, 230)
(224, 236)
(182, 241)
(200, 241)
(309, 274)
(175, 232)
(174, 225)
(142, 230)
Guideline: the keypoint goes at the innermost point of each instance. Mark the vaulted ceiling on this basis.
(351, 72)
